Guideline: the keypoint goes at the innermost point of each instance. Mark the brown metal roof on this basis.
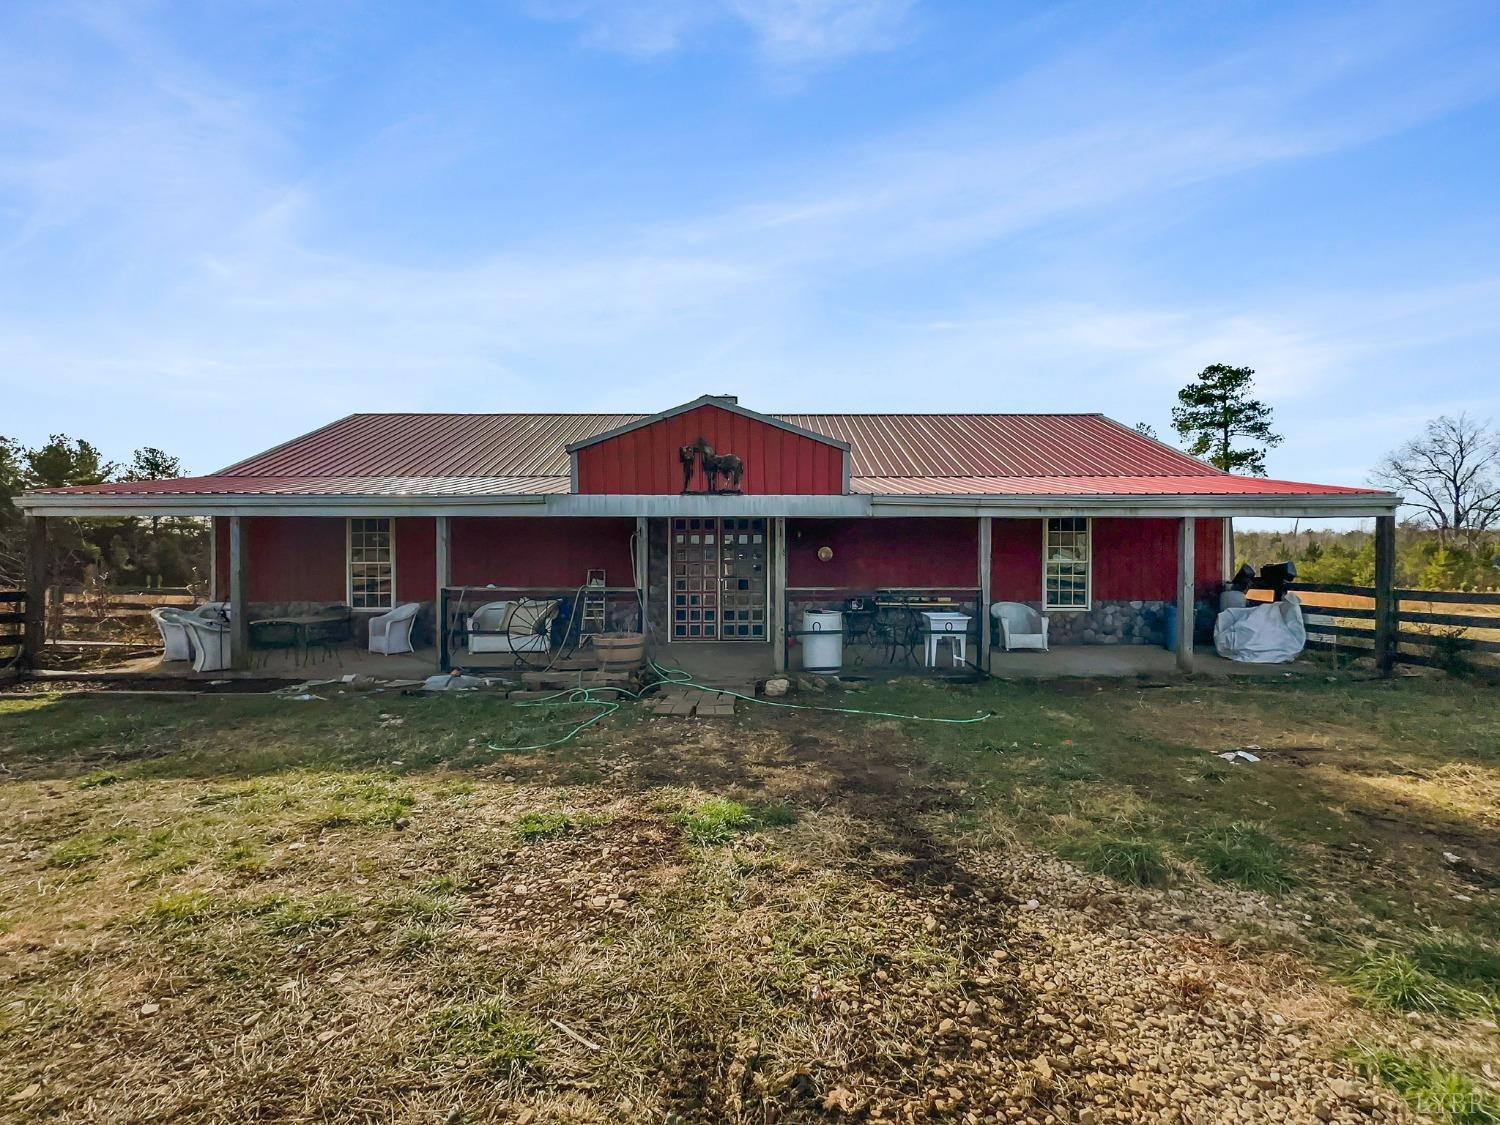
(884, 445)
(435, 455)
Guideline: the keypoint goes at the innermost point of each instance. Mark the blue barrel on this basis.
(1169, 627)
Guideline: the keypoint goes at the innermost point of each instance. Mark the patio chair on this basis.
(212, 611)
(390, 633)
(519, 627)
(174, 636)
(210, 640)
(1020, 626)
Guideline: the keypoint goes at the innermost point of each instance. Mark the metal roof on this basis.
(476, 455)
(885, 445)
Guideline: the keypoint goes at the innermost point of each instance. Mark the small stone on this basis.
(150, 1008)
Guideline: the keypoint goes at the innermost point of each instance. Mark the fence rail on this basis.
(1346, 629)
(12, 619)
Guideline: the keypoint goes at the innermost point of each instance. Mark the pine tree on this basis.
(1215, 410)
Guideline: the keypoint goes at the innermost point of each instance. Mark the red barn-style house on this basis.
(711, 522)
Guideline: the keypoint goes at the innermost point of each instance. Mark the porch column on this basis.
(37, 559)
(442, 572)
(239, 601)
(642, 575)
(985, 526)
(778, 593)
(1187, 537)
(1385, 594)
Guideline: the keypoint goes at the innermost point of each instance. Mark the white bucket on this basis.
(822, 640)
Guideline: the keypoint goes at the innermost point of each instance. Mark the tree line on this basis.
(159, 551)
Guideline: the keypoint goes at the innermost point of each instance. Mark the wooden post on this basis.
(1186, 544)
(442, 575)
(37, 567)
(643, 567)
(985, 640)
(1385, 594)
(778, 593)
(239, 601)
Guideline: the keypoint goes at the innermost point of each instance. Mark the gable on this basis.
(643, 458)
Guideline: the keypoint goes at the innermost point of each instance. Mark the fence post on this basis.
(34, 631)
(1385, 594)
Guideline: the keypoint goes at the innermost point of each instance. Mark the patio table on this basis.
(302, 625)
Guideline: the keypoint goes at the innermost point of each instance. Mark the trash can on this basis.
(1169, 628)
(822, 640)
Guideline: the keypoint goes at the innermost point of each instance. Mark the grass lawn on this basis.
(355, 909)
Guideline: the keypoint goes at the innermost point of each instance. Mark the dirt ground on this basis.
(358, 910)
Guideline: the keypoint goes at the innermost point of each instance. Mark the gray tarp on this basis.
(1261, 634)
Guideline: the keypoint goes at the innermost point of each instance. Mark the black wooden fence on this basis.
(12, 619)
(1422, 636)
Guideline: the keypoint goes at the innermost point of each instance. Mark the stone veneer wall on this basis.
(1135, 622)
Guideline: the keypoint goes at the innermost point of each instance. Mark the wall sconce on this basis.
(825, 553)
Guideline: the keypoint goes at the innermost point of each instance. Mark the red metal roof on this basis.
(891, 454)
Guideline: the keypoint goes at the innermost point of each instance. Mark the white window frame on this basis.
(1088, 565)
(349, 563)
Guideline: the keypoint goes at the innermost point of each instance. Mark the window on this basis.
(1065, 564)
(372, 565)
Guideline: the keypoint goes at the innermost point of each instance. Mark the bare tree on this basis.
(1451, 476)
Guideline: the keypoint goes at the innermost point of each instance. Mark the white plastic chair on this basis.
(174, 637)
(390, 633)
(210, 640)
(1020, 626)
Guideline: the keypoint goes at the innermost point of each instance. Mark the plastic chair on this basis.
(390, 633)
(1020, 626)
(174, 636)
(210, 640)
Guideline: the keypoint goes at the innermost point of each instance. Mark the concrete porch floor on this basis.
(281, 665)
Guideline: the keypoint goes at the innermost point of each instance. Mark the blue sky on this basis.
(223, 224)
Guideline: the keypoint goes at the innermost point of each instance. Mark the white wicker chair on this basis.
(390, 633)
(174, 636)
(211, 643)
(1020, 626)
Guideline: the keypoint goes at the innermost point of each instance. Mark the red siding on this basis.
(1137, 558)
(416, 559)
(645, 461)
(1016, 560)
(870, 554)
(550, 553)
(290, 558)
(1134, 559)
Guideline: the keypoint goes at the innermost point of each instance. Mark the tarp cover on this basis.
(1261, 634)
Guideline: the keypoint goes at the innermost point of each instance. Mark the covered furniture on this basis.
(1262, 633)
(517, 628)
(1020, 626)
(210, 641)
(174, 636)
(390, 633)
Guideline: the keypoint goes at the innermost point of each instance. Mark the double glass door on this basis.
(719, 579)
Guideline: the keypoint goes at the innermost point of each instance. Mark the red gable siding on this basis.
(777, 462)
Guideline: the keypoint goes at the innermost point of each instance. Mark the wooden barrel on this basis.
(620, 650)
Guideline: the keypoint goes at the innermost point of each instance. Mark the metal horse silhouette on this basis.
(715, 465)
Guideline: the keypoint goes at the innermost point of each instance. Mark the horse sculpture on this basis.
(715, 465)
